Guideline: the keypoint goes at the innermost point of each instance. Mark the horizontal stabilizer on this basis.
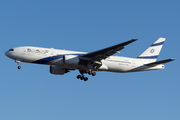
(160, 62)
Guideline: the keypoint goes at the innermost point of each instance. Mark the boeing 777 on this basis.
(63, 61)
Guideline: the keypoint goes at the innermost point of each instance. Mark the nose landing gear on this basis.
(18, 62)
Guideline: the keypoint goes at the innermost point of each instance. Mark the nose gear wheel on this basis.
(19, 63)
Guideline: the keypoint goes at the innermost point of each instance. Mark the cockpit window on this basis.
(11, 49)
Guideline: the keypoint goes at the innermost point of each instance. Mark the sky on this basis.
(32, 93)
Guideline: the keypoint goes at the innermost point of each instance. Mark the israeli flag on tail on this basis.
(153, 51)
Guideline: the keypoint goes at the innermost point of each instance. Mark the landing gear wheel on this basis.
(82, 72)
(79, 76)
(90, 72)
(82, 78)
(93, 74)
(19, 67)
(85, 79)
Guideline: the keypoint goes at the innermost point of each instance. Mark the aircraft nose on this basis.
(9, 53)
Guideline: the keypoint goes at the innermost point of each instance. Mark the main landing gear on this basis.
(18, 62)
(82, 77)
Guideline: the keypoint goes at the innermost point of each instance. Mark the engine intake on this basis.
(71, 59)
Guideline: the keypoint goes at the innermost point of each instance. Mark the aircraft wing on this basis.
(160, 62)
(106, 52)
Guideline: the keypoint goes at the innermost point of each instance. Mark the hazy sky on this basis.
(32, 93)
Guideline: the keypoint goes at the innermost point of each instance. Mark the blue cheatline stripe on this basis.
(156, 44)
(48, 59)
(148, 57)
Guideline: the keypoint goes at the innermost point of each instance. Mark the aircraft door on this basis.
(133, 64)
(51, 51)
(24, 51)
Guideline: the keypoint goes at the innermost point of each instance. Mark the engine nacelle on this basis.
(58, 70)
(71, 59)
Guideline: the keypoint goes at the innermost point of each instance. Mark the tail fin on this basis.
(153, 51)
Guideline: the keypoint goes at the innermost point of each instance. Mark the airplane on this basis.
(63, 61)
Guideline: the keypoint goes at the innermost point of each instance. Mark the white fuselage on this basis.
(55, 57)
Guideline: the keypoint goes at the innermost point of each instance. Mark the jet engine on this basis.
(71, 59)
(57, 70)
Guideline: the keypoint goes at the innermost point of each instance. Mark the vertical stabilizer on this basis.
(153, 51)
